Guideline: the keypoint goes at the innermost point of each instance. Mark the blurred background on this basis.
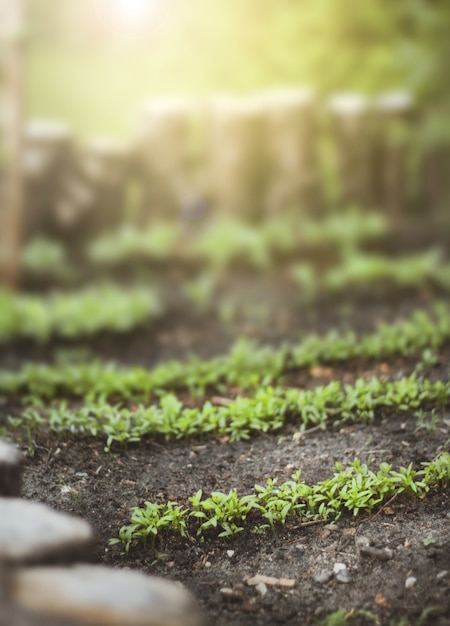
(226, 153)
(93, 62)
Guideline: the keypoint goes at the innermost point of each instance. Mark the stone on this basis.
(10, 469)
(96, 595)
(323, 577)
(31, 532)
(341, 573)
(339, 567)
(410, 582)
(344, 576)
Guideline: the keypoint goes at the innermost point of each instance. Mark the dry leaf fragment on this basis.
(319, 372)
(381, 600)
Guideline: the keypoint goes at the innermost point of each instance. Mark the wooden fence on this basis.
(247, 156)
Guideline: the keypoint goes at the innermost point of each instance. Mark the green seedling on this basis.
(85, 312)
(424, 423)
(246, 366)
(330, 405)
(351, 490)
(428, 540)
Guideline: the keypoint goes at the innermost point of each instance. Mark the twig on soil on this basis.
(306, 524)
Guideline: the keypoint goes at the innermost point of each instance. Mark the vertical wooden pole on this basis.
(351, 125)
(11, 124)
(396, 115)
(292, 141)
(238, 156)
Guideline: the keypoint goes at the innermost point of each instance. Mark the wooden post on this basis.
(395, 116)
(104, 165)
(291, 145)
(351, 127)
(238, 156)
(166, 155)
(11, 120)
(47, 166)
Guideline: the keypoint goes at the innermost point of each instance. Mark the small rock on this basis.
(230, 553)
(339, 567)
(99, 595)
(332, 527)
(410, 582)
(362, 541)
(323, 577)
(10, 469)
(442, 574)
(31, 532)
(344, 576)
(262, 589)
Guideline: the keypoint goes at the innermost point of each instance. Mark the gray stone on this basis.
(341, 573)
(10, 469)
(344, 576)
(101, 596)
(323, 577)
(410, 582)
(31, 532)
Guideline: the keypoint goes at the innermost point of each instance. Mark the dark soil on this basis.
(78, 476)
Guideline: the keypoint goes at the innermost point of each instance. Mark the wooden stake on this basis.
(11, 118)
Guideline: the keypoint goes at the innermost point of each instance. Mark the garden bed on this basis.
(73, 472)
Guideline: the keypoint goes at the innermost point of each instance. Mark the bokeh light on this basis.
(128, 18)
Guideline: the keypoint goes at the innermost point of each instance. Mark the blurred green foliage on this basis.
(96, 79)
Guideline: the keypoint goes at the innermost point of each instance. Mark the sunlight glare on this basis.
(127, 18)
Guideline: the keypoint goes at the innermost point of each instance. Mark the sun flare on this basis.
(128, 18)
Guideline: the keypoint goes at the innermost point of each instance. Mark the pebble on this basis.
(410, 582)
(442, 574)
(339, 567)
(344, 576)
(323, 577)
(332, 527)
(10, 469)
(341, 573)
(31, 532)
(230, 553)
(101, 596)
(362, 541)
(262, 589)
